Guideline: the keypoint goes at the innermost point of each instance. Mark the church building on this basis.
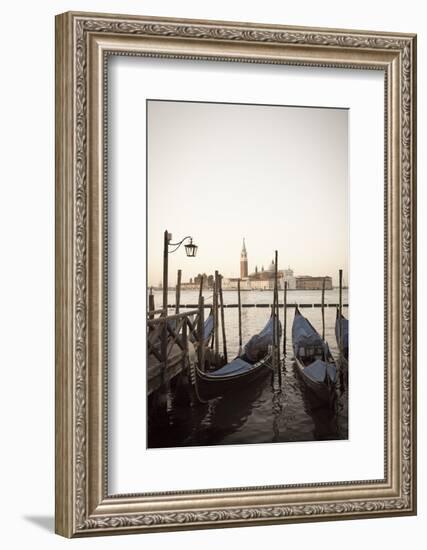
(263, 279)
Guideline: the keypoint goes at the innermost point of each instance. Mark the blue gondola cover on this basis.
(304, 335)
(208, 327)
(236, 366)
(257, 346)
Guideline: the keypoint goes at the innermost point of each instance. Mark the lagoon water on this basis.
(265, 411)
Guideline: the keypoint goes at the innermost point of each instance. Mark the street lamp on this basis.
(190, 250)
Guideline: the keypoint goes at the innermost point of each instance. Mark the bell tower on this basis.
(243, 262)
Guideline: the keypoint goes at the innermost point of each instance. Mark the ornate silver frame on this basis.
(83, 506)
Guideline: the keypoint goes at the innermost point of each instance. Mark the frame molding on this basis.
(83, 43)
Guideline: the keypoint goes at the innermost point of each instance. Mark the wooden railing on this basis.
(168, 334)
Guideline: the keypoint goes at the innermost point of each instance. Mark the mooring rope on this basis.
(193, 374)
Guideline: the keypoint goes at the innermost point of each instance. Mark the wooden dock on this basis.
(175, 343)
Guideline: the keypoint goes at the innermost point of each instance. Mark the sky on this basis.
(275, 175)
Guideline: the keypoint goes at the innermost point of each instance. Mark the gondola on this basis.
(313, 359)
(254, 361)
(344, 337)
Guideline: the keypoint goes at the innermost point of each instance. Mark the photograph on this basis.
(247, 273)
(231, 198)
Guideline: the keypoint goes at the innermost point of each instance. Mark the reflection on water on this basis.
(275, 408)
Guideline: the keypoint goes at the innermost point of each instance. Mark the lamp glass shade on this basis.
(191, 250)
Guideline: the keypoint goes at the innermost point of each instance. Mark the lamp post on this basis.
(190, 250)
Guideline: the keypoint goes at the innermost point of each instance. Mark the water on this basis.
(266, 411)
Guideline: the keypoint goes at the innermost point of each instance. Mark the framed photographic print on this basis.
(235, 274)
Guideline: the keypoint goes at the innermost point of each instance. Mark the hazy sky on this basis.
(277, 176)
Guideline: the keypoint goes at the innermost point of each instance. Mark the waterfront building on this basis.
(190, 286)
(208, 280)
(262, 284)
(230, 283)
(306, 282)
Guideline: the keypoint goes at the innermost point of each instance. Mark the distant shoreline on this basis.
(172, 289)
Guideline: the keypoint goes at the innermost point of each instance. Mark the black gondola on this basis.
(253, 362)
(313, 359)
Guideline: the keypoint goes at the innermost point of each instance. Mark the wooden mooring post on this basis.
(151, 306)
(224, 340)
(239, 305)
(201, 335)
(178, 291)
(340, 314)
(285, 306)
(276, 331)
(201, 288)
(323, 309)
(185, 348)
(216, 316)
(277, 311)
